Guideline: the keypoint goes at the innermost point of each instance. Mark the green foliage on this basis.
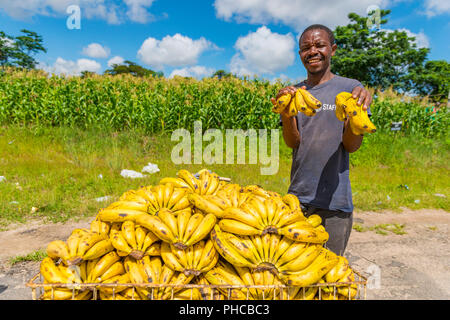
(132, 68)
(376, 57)
(157, 105)
(18, 51)
(432, 79)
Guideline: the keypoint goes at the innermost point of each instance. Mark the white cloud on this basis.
(137, 11)
(175, 51)
(69, 67)
(195, 72)
(96, 50)
(115, 60)
(263, 51)
(437, 7)
(108, 10)
(421, 38)
(295, 13)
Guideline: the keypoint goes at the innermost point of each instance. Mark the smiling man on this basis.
(321, 144)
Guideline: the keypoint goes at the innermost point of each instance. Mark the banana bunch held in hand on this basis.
(346, 108)
(302, 101)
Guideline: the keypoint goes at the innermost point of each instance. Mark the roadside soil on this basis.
(410, 266)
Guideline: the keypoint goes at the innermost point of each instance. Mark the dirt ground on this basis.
(414, 265)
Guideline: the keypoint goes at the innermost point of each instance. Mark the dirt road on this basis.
(414, 265)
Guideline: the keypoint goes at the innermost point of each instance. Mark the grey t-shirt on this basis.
(320, 165)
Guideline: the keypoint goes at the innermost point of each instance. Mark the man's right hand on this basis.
(291, 90)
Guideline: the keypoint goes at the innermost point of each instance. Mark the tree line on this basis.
(377, 57)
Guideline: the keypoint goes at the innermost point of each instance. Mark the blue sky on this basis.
(196, 38)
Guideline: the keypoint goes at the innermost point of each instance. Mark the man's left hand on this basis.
(364, 97)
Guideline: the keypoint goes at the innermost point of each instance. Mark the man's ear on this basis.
(333, 49)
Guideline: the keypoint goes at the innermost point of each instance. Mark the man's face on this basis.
(316, 51)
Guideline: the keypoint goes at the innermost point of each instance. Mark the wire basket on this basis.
(277, 292)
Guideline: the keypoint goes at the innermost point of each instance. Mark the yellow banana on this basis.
(176, 195)
(292, 201)
(315, 220)
(169, 258)
(213, 184)
(227, 251)
(168, 189)
(118, 279)
(154, 249)
(103, 264)
(242, 216)
(359, 120)
(155, 225)
(119, 215)
(182, 222)
(294, 250)
(129, 205)
(202, 230)
(190, 179)
(177, 182)
(58, 249)
(310, 100)
(98, 250)
(292, 108)
(51, 273)
(169, 220)
(237, 227)
(159, 195)
(303, 260)
(194, 221)
(116, 269)
(119, 242)
(146, 194)
(304, 232)
(99, 226)
(282, 103)
(204, 205)
(314, 272)
(243, 247)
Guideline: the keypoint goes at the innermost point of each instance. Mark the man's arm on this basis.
(350, 141)
(291, 135)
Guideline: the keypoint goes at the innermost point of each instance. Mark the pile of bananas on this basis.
(197, 229)
(346, 108)
(302, 101)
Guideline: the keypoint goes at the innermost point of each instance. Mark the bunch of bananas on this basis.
(195, 259)
(195, 229)
(82, 244)
(225, 273)
(183, 230)
(146, 200)
(204, 182)
(302, 101)
(152, 271)
(134, 240)
(346, 108)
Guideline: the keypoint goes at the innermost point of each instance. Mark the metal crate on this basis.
(280, 292)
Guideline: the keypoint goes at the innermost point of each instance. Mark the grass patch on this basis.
(33, 256)
(382, 229)
(56, 170)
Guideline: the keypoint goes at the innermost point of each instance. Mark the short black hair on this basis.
(321, 27)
